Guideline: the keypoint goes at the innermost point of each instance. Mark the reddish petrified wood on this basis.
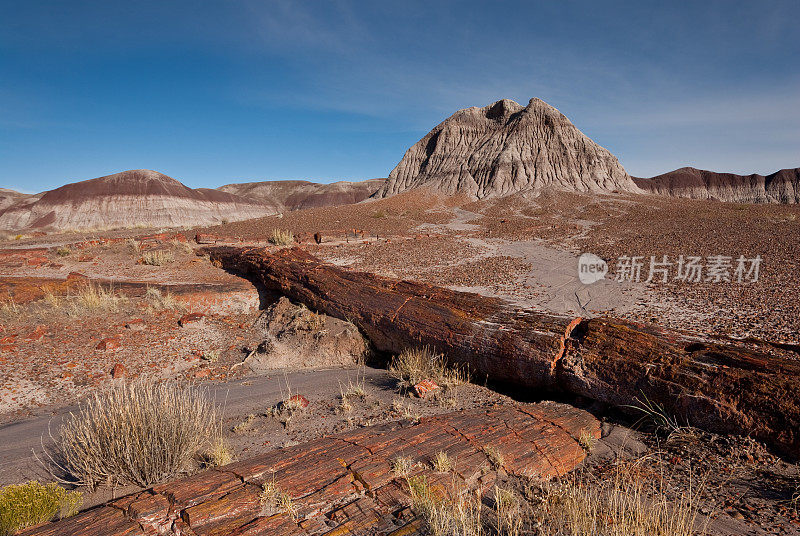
(345, 482)
(721, 386)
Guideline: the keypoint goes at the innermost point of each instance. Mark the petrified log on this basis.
(346, 480)
(721, 386)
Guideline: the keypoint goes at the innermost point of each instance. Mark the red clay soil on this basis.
(352, 488)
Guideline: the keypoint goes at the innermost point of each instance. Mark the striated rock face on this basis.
(505, 148)
(9, 197)
(127, 199)
(296, 195)
(780, 187)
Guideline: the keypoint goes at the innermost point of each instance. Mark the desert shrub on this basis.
(25, 505)
(158, 257)
(281, 238)
(217, 454)
(63, 251)
(96, 297)
(416, 364)
(140, 432)
(403, 465)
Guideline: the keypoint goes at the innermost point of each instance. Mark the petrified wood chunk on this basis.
(721, 385)
(345, 481)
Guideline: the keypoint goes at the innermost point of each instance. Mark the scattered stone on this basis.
(137, 324)
(191, 318)
(425, 387)
(298, 400)
(118, 371)
(36, 334)
(109, 344)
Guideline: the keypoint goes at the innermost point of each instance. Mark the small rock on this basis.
(118, 371)
(137, 324)
(191, 318)
(299, 400)
(36, 334)
(424, 388)
(109, 344)
(202, 373)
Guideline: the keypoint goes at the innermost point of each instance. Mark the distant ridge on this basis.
(505, 148)
(138, 197)
(780, 187)
(296, 195)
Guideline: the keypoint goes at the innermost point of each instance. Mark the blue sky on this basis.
(218, 92)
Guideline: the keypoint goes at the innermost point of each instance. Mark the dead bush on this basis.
(139, 432)
(281, 238)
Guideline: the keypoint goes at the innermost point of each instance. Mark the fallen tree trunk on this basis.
(720, 386)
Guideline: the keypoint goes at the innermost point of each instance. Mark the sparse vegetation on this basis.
(160, 301)
(97, 298)
(459, 516)
(661, 420)
(351, 391)
(245, 425)
(281, 238)
(625, 504)
(586, 440)
(416, 364)
(507, 512)
(441, 462)
(494, 455)
(25, 505)
(403, 465)
(406, 412)
(140, 432)
(286, 409)
(63, 251)
(276, 501)
(218, 453)
(157, 257)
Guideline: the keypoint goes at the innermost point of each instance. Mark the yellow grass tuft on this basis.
(281, 238)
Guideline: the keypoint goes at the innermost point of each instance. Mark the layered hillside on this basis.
(780, 187)
(296, 195)
(505, 148)
(132, 198)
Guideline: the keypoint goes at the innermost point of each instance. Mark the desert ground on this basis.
(83, 310)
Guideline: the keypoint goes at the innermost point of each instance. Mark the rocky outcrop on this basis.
(131, 198)
(297, 195)
(720, 385)
(344, 484)
(780, 187)
(505, 148)
(292, 336)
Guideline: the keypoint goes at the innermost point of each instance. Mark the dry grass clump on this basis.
(457, 516)
(140, 432)
(97, 298)
(281, 238)
(217, 454)
(351, 391)
(442, 463)
(406, 412)
(403, 465)
(627, 503)
(413, 365)
(245, 425)
(63, 251)
(134, 245)
(25, 505)
(160, 301)
(157, 257)
(276, 501)
(494, 455)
